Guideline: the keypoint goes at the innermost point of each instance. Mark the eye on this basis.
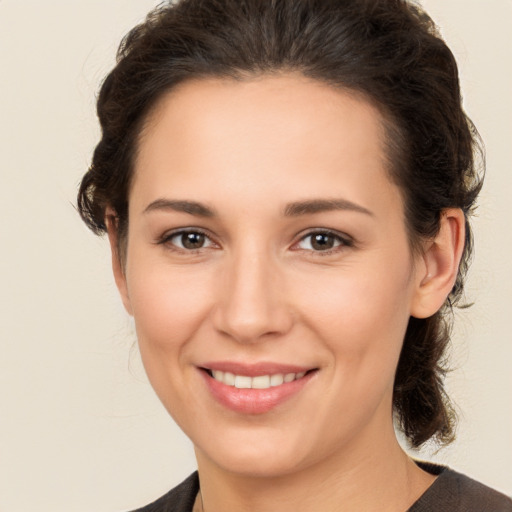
(322, 241)
(188, 240)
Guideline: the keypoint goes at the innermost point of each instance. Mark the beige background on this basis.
(80, 429)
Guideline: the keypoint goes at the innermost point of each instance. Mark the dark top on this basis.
(451, 492)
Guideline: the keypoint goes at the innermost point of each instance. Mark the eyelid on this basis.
(165, 239)
(344, 239)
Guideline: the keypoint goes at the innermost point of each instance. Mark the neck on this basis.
(383, 479)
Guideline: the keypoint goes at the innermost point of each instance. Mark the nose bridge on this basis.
(251, 304)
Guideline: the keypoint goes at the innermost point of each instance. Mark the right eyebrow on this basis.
(190, 207)
(323, 205)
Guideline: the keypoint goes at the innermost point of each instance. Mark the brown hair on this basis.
(388, 50)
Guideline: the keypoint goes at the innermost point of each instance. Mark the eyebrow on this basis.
(322, 205)
(294, 209)
(190, 207)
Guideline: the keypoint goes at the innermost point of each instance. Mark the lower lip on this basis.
(254, 401)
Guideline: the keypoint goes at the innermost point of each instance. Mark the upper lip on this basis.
(254, 369)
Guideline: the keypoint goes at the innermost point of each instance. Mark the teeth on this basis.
(243, 382)
(218, 375)
(259, 382)
(276, 380)
(229, 379)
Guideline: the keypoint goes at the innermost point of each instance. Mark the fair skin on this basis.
(266, 238)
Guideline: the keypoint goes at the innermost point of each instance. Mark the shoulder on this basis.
(455, 492)
(179, 499)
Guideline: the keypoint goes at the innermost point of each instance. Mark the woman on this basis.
(286, 187)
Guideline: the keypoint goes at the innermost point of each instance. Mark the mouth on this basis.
(257, 382)
(255, 389)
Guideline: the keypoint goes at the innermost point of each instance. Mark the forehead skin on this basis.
(199, 113)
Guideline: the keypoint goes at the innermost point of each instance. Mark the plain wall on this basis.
(80, 427)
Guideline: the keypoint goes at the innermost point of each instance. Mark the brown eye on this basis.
(192, 240)
(189, 240)
(322, 241)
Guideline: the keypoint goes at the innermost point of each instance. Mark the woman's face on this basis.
(267, 248)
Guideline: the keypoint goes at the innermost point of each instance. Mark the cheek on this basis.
(361, 322)
(168, 307)
(360, 316)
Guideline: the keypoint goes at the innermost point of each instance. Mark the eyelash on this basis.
(343, 241)
(167, 237)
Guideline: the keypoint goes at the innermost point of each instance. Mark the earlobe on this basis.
(439, 265)
(111, 221)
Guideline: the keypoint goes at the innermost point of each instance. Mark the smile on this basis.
(259, 382)
(257, 388)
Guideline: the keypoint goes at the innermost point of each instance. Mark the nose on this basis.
(251, 302)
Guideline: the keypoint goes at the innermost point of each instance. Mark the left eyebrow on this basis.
(190, 207)
(323, 205)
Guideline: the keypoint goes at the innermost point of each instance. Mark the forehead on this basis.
(288, 103)
(286, 131)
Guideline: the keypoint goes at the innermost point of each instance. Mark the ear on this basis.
(438, 265)
(112, 223)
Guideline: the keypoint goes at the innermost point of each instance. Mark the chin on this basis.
(255, 459)
(260, 467)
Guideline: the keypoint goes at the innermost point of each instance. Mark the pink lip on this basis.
(254, 401)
